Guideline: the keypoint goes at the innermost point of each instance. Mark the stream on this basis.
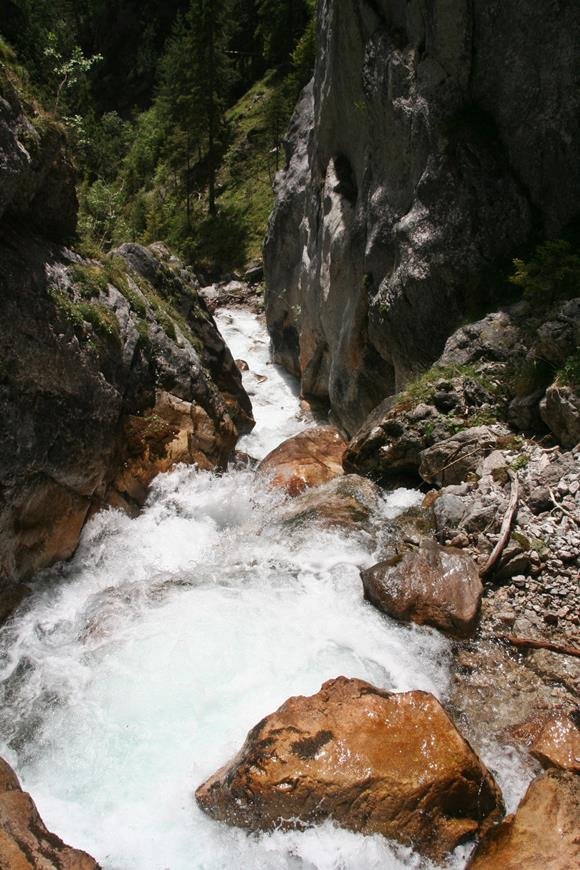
(136, 669)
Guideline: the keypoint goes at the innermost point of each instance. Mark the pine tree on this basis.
(210, 22)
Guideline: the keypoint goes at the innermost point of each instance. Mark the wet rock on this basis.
(429, 585)
(25, 843)
(373, 761)
(560, 410)
(305, 460)
(543, 833)
(350, 502)
(93, 356)
(451, 460)
(558, 743)
(172, 432)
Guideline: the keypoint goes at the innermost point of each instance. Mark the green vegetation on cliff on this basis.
(175, 112)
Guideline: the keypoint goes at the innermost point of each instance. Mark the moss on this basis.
(520, 461)
(89, 280)
(553, 272)
(78, 314)
(569, 374)
(423, 388)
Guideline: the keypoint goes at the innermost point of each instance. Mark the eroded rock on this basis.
(542, 834)
(25, 842)
(305, 460)
(349, 502)
(373, 761)
(428, 585)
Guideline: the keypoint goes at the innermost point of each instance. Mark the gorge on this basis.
(289, 554)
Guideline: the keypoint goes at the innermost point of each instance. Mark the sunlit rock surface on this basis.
(308, 459)
(25, 842)
(373, 761)
(542, 834)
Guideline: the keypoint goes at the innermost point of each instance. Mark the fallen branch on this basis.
(562, 508)
(532, 643)
(505, 527)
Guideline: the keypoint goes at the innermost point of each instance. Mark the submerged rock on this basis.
(25, 843)
(542, 834)
(429, 585)
(305, 460)
(553, 739)
(373, 761)
(349, 502)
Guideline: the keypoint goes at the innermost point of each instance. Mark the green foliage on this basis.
(424, 387)
(569, 374)
(520, 462)
(68, 70)
(170, 113)
(552, 273)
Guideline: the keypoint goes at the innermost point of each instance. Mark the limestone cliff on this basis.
(111, 369)
(434, 139)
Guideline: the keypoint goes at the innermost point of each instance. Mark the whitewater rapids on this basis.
(135, 670)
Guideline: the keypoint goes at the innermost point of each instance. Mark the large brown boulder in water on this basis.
(429, 585)
(307, 459)
(542, 835)
(25, 843)
(374, 761)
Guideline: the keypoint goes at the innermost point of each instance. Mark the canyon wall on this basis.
(111, 368)
(435, 140)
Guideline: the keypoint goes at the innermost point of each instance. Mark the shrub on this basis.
(553, 273)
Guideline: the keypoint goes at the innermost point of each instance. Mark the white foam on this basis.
(136, 669)
(276, 400)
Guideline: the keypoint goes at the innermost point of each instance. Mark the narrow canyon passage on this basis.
(167, 637)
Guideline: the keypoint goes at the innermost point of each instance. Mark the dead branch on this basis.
(562, 508)
(505, 527)
(533, 643)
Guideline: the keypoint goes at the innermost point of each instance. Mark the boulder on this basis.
(305, 460)
(558, 743)
(542, 834)
(560, 411)
(428, 585)
(451, 460)
(373, 761)
(25, 843)
(349, 502)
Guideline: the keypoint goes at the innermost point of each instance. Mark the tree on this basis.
(211, 22)
(67, 71)
(281, 24)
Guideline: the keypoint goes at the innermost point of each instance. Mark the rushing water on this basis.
(132, 678)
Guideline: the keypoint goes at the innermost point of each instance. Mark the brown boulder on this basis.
(429, 585)
(558, 744)
(349, 502)
(173, 431)
(374, 761)
(25, 843)
(542, 834)
(305, 460)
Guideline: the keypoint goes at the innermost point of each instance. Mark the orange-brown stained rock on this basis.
(374, 761)
(558, 744)
(25, 843)
(307, 459)
(429, 585)
(542, 835)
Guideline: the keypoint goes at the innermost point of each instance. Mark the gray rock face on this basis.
(428, 138)
(36, 175)
(105, 380)
(560, 410)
